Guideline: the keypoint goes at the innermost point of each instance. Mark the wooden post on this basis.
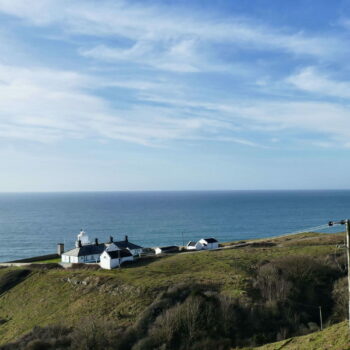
(321, 322)
(348, 258)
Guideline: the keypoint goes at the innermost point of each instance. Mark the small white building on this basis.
(194, 245)
(169, 249)
(111, 259)
(209, 243)
(135, 249)
(84, 253)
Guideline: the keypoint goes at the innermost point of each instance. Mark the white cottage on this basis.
(169, 249)
(89, 253)
(194, 245)
(86, 252)
(135, 249)
(111, 259)
(209, 243)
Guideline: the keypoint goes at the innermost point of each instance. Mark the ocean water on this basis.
(33, 223)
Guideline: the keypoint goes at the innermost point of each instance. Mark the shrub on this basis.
(340, 297)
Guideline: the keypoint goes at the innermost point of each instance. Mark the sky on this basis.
(174, 95)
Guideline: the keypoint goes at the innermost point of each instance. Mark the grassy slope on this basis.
(46, 297)
(335, 337)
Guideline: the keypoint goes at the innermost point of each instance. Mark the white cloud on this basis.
(150, 27)
(309, 79)
(279, 118)
(178, 57)
(47, 105)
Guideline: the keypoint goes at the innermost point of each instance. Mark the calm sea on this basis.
(32, 224)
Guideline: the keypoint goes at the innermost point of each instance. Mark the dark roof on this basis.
(115, 254)
(127, 244)
(92, 249)
(89, 249)
(191, 243)
(169, 248)
(210, 240)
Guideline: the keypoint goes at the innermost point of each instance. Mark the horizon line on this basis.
(185, 190)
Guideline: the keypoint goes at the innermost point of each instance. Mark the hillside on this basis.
(335, 337)
(48, 296)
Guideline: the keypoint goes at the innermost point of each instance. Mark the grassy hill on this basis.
(335, 337)
(56, 296)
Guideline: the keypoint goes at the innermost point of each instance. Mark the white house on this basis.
(86, 252)
(169, 249)
(194, 245)
(89, 253)
(135, 249)
(209, 243)
(111, 259)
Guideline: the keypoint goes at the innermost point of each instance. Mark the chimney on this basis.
(79, 243)
(126, 238)
(96, 241)
(110, 239)
(60, 249)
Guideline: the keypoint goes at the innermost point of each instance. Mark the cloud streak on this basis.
(169, 77)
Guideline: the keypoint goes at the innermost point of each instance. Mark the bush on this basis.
(92, 335)
(53, 337)
(341, 299)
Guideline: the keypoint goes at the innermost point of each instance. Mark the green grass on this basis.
(49, 261)
(45, 297)
(335, 337)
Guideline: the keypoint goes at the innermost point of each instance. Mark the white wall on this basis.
(135, 252)
(80, 259)
(157, 250)
(107, 263)
(65, 258)
(208, 246)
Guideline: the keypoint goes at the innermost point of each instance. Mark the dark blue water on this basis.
(32, 224)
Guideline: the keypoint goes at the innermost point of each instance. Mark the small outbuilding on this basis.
(209, 243)
(194, 245)
(114, 258)
(165, 250)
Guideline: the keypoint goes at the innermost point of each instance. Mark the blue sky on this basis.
(174, 95)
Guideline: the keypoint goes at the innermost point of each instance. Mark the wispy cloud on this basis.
(47, 105)
(162, 59)
(311, 80)
(157, 28)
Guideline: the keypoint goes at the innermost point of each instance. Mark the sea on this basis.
(32, 224)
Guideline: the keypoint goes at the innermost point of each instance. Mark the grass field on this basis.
(51, 296)
(335, 337)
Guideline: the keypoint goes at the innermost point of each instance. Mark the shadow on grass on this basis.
(11, 278)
